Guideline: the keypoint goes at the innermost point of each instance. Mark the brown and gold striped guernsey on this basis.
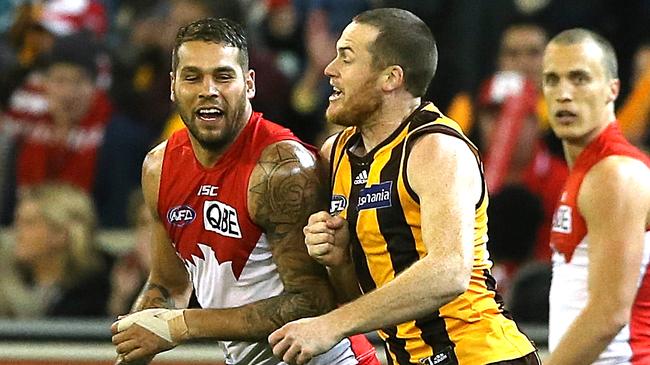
(372, 192)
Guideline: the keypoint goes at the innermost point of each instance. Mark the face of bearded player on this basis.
(212, 93)
(357, 95)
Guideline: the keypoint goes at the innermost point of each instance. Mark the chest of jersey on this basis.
(208, 207)
(569, 227)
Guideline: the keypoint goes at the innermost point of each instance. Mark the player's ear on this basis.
(250, 83)
(614, 89)
(172, 95)
(392, 77)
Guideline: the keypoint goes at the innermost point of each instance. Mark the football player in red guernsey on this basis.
(230, 195)
(600, 292)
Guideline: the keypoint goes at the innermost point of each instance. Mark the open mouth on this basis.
(209, 114)
(336, 93)
(565, 116)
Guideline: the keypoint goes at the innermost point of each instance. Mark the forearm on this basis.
(344, 280)
(418, 291)
(586, 338)
(155, 295)
(255, 321)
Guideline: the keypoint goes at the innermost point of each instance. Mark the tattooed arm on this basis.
(168, 285)
(284, 189)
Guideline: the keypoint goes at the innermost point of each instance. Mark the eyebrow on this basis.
(217, 70)
(344, 48)
(574, 73)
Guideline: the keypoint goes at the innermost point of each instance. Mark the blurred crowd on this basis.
(84, 94)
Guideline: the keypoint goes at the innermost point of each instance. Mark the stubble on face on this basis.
(233, 123)
(356, 107)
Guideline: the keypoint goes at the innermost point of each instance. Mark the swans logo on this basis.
(181, 215)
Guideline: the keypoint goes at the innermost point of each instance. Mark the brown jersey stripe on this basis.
(439, 128)
(397, 346)
(491, 285)
(392, 222)
(360, 263)
(333, 159)
(422, 118)
(434, 332)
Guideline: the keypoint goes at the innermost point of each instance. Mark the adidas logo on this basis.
(362, 178)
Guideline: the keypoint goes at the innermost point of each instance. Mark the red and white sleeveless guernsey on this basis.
(226, 254)
(569, 240)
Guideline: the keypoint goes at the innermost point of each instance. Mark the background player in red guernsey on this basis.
(600, 293)
(230, 195)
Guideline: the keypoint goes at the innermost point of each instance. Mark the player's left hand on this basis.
(299, 341)
(143, 334)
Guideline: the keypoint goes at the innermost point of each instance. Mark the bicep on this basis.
(444, 174)
(614, 203)
(284, 189)
(166, 267)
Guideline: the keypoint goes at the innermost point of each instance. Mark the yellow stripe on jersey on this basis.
(386, 238)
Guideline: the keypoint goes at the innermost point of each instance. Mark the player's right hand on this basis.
(327, 239)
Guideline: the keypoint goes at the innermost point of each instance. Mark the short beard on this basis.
(216, 145)
(230, 132)
(358, 113)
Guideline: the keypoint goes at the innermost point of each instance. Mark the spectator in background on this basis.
(324, 22)
(34, 29)
(61, 142)
(62, 127)
(512, 125)
(523, 175)
(520, 51)
(509, 132)
(277, 56)
(54, 269)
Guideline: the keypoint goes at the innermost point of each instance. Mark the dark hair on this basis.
(220, 30)
(79, 49)
(579, 35)
(403, 40)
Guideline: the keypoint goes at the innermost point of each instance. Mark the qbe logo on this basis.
(221, 218)
(562, 219)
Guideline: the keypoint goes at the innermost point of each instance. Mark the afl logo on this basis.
(338, 204)
(181, 215)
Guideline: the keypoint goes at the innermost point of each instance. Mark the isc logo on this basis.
(221, 218)
(208, 190)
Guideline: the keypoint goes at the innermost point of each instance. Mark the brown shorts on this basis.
(530, 359)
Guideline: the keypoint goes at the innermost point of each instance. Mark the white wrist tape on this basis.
(168, 324)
